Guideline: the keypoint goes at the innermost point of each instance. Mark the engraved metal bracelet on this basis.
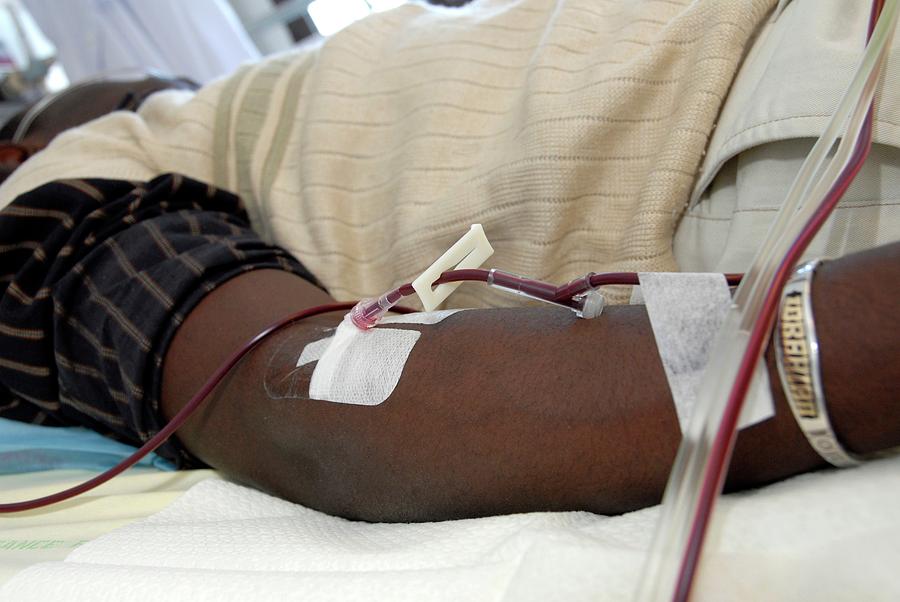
(797, 350)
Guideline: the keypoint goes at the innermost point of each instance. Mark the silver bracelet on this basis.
(797, 350)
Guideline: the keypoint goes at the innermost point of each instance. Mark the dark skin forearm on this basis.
(502, 411)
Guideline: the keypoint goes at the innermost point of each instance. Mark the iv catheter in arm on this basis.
(566, 295)
(702, 460)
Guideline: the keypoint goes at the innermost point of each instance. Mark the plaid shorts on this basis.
(95, 278)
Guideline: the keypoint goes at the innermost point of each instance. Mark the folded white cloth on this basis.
(830, 535)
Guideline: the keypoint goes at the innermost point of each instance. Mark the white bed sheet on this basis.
(51, 533)
(831, 535)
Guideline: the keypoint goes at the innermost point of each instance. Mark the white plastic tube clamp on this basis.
(469, 252)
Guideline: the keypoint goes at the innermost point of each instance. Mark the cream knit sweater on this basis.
(572, 129)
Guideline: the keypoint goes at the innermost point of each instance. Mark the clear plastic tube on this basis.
(580, 295)
(697, 474)
(521, 286)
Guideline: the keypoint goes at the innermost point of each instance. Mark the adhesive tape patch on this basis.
(362, 367)
(686, 312)
(313, 351)
(421, 317)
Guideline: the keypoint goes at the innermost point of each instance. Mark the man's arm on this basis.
(502, 411)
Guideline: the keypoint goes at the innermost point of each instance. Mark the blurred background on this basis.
(49, 45)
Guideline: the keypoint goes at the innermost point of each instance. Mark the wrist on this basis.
(854, 302)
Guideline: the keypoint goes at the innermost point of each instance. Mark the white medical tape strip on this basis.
(637, 296)
(361, 367)
(420, 317)
(686, 312)
(759, 404)
(313, 351)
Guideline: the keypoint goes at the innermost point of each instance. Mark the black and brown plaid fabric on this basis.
(95, 277)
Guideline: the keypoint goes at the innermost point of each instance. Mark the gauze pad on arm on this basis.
(361, 367)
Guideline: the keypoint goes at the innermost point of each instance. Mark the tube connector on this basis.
(586, 303)
(368, 312)
(589, 305)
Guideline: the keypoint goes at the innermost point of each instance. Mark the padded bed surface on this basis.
(830, 535)
(51, 533)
